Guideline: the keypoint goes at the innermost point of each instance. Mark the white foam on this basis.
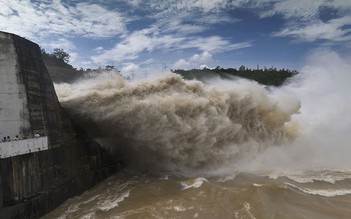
(71, 209)
(310, 177)
(226, 178)
(108, 204)
(193, 183)
(299, 179)
(164, 177)
(179, 208)
(247, 208)
(274, 175)
(322, 192)
(89, 216)
(91, 199)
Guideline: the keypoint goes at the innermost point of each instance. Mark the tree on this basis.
(60, 54)
(109, 67)
(242, 68)
(270, 77)
(43, 52)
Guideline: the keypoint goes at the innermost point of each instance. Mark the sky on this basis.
(142, 37)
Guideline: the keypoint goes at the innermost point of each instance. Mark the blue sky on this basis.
(149, 36)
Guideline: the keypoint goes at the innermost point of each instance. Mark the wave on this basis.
(322, 192)
(110, 204)
(193, 183)
(302, 177)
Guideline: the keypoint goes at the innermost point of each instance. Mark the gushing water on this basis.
(323, 141)
(230, 149)
(221, 126)
(172, 124)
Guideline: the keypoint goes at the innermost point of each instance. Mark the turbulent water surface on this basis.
(219, 148)
(313, 195)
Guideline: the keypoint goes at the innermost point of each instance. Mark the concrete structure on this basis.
(14, 115)
(15, 148)
(36, 175)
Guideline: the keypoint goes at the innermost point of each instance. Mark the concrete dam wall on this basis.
(37, 177)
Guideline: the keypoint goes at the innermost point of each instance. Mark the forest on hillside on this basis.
(266, 76)
(60, 71)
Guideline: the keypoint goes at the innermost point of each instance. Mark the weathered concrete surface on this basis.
(14, 115)
(36, 183)
(33, 184)
(45, 113)
(25, 146)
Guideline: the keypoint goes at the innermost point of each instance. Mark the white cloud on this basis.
(183, 22)
(203, 66)
(43, 21)
(304, 19)
(129, 67)
(177, 24)
(147, 62)
(331, 30)
(339, 4)
(86, 63)
(215, 18)
(145, 41)
(173, 30)
(38, 20)
(132, 45)
(213, 44)
(293, 8)
(61, 43)
(73, 58)
(99, 49)
(150, 39)
(202, 5)
(195, 61)
(68, 46)
(205, 57)
(5, 10)
(182, 64)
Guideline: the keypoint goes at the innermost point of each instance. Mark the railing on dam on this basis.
(25, 146)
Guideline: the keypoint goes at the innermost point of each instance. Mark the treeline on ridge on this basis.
(60, 71)
(266, 76)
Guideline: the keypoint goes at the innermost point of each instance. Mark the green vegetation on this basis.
(60, 71)
(270, 76)
(58, 58)
(58, 67)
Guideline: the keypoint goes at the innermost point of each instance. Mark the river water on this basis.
(310, 195)
(219, 148)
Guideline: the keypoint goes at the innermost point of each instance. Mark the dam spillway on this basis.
(67, 162)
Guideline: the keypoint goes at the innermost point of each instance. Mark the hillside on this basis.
(269, 77)
(58, 68)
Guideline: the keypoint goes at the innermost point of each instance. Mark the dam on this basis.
(44, 157)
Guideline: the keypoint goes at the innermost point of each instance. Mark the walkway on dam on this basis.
(19, 147)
